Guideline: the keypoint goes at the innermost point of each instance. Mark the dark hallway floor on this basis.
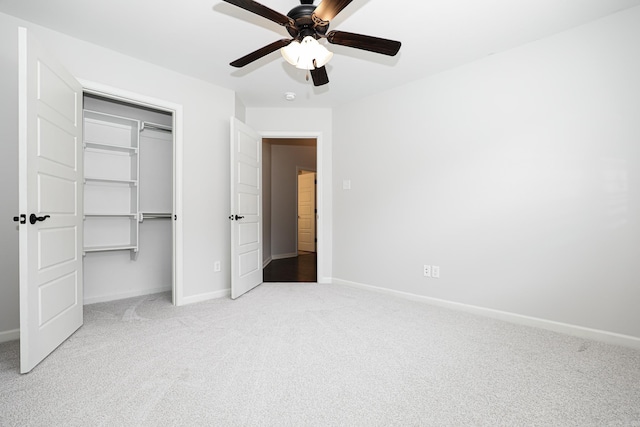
(297, 269)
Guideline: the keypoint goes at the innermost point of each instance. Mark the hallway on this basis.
(297, 269)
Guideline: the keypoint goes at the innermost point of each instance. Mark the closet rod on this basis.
(154, 215)
(156, 126)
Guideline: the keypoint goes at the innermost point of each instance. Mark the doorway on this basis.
(128, 199)
(159, 214)
(283, 161)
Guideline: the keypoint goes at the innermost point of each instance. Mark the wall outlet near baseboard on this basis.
(427, 270)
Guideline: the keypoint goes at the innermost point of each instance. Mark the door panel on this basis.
(248, 234)
(248, 203)
(56, 194)
(306, 212)
(56, 144)
(50, 179)
(57, 296)
(56, 91)
(56, 246)
(246, 209)
(248, 263)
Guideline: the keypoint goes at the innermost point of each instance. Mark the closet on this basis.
(128, 199)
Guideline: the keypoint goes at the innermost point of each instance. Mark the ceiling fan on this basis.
(306, 24)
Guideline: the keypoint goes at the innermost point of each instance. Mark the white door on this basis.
(246, 208)
(50, 186)
(307, 212)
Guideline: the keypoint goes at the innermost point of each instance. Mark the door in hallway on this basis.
(307, 211)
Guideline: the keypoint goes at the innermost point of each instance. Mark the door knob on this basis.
(239, 217)
(33, 218)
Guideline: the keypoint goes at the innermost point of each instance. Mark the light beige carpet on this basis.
(316, 355)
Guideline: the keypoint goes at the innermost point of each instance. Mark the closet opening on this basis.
(129, 199)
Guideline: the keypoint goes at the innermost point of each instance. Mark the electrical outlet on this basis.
(216, 266)
(435, 271)
(427, 270)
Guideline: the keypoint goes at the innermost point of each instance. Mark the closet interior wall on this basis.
(116, 274)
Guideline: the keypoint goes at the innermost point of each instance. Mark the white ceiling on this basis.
(200, 38)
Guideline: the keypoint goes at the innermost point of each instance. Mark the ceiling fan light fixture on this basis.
(306, 55)
(291, 52)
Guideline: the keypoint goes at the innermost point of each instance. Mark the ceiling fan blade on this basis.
(328, 9)
(358, 41)
(254, 56)
(264, 11)
(319, 76)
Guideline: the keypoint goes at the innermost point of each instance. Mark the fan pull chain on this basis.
(315, 66)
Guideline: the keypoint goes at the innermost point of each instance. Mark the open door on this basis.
(307, 212)
(50, 201)
(246, 208)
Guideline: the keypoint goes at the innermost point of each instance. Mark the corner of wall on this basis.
(240, 112)
(9, 285)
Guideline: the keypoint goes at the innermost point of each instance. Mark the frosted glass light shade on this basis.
(302, 54)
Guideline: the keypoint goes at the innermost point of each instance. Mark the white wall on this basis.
(285, 160)
(240, 109)
(206, 108)
(519, 175)
(9, 308)
(290, 122)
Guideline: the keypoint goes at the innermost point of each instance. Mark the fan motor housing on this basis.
(304, 23)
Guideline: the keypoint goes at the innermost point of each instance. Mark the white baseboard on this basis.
(564, 328)
(124, 295)
(12, 335)
(267, 262)
(283, 256)
(204, 297)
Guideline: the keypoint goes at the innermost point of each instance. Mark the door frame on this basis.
(117, 94)
(315, 231)
(322, 178)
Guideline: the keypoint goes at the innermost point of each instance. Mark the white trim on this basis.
(323, 178)
(11, 335)
(283, 256)
(563, 328)
(176, 110)
(225, 293)
(266, 262)
(124, 295)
